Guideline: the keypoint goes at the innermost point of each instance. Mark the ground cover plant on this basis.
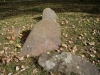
(80, 28)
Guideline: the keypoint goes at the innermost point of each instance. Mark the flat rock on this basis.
(45, 35)
(67, 62)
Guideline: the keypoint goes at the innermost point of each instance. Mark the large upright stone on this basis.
(45, 35)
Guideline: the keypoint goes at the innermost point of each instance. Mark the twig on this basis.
(21, 70)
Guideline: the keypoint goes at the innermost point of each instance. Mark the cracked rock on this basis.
(67, 62)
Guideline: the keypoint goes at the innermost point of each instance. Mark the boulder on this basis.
(45, 35)
(67, 62)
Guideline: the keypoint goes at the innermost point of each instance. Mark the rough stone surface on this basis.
(67, 62)
(52, 15)
(45, 35)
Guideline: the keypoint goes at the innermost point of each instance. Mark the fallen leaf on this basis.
(12, 37)
(10, 31)
(91, 43)
(8, 38)
(5, 48)
(3, 59)
(11, 42)
(35, 71)
(22, 66)
(64, 45)
(17, 68)
(66, 35)
(18, 45)
(21, 58)
(10, 73)
(1, 52)
(74, 49)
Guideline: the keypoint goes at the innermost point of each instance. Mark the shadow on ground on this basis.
(19, 8)
(24, 36)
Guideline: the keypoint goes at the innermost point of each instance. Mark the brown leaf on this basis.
(8, 38)
(13, 37)
(11, 31)
(35, 71)
(3, 59)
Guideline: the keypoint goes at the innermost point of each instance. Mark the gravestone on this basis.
(45, 35)
(67, 62)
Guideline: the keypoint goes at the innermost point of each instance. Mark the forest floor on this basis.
(80, 28)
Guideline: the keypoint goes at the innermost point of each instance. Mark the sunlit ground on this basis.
(80, 28)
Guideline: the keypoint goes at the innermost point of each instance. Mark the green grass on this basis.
(81, 23)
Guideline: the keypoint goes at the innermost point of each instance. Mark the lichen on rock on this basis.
(67, 62)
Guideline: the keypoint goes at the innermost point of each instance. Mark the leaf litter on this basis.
(80, 34)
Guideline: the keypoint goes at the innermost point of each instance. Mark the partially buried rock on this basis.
(67, 62)
(45, 35)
